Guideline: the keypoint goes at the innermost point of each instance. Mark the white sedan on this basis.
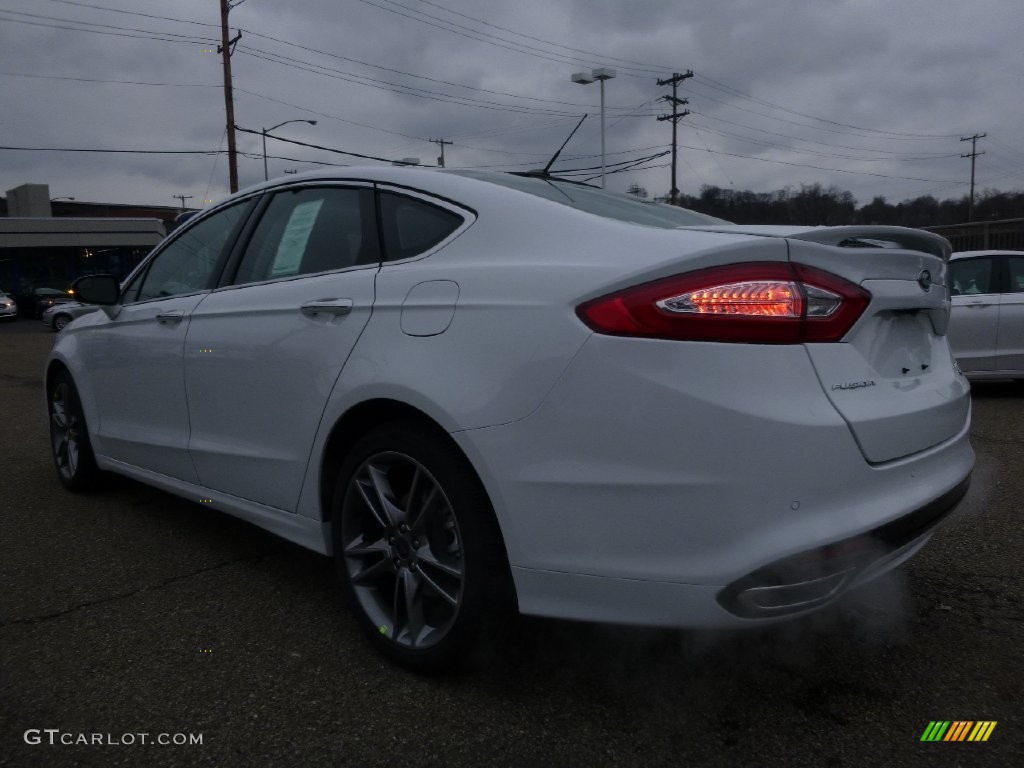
(8, 306)
(986, 329)
(59, 315)
(484, 392)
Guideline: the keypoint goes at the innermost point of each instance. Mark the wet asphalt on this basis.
(130, 612)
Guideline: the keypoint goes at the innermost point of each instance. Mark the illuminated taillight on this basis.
(757, 302)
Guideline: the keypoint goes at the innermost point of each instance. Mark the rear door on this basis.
(892, 377)
(1010, 336)
(263, 351)
(974, 288)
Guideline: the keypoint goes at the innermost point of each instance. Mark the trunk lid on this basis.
(892, 378)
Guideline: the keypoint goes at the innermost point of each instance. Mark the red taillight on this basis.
(755, 303)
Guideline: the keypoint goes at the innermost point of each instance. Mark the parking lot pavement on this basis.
(132, 612)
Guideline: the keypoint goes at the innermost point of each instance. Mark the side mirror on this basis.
(97, 289)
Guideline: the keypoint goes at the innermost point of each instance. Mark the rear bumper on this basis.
(810, 579)
(689, 469)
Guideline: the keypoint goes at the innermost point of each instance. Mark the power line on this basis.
(489, 39)
(393, 87)
(818, 167)
(325, 149)
(103, 29)
(640, 67)
(806, 141)
(116, 151)
(597, 56)
(111, 82)
(135, 13)
(837, 155)
(733, 91)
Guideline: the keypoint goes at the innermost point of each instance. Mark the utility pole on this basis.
(440, 143)
(183, 198)
(972, 154)
(229, 102)
(675, 117)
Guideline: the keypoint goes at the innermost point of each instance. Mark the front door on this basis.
(135, 358)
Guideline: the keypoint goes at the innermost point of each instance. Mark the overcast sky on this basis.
(872, 96)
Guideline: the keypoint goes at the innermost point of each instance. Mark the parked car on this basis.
(485, 392)
(61, 314)
(8, 306)
(986, 329)
(40, 299)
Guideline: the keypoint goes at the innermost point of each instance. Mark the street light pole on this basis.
(583, 78)
(265, 131)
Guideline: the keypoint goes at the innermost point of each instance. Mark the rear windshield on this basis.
(600, 202)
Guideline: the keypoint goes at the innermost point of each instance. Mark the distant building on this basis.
(49, 243)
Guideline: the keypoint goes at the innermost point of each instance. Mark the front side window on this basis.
(971, 276)
(187, 264)
(304, 231)
(412, 226)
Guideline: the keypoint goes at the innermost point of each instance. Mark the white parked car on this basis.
(60, 315)
(484, 392)
(986, 329)
(8, 306)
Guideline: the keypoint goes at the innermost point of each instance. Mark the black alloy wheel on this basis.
(418, 549)
(69, 435)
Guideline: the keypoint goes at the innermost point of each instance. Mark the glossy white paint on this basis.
(632, 478)
(135, 380)
(258, 370)
(987, 326)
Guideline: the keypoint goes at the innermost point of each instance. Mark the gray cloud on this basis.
(881, 76)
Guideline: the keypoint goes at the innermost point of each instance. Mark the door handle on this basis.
(337, 307)
(175, 316)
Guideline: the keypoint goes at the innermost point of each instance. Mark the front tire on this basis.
(418, 549)
(69, 436)
(60, 321)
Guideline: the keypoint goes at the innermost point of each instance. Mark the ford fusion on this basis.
(484, 393)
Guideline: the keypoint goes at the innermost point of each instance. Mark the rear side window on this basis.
(311, 230)
(972, 276)
(412, 226)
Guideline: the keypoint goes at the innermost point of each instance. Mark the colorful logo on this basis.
(958, 730)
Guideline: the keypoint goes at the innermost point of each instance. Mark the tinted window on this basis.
(311, 230)
(413, 226)
(971, 276)
(187, 264)
(1015, 269)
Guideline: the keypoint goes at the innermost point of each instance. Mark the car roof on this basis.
(465, 186)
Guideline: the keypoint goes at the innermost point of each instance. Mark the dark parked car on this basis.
(38, 300)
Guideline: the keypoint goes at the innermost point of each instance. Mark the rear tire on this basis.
(69, 436)
(418, 549)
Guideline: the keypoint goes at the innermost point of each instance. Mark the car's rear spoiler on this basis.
(855, 236)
